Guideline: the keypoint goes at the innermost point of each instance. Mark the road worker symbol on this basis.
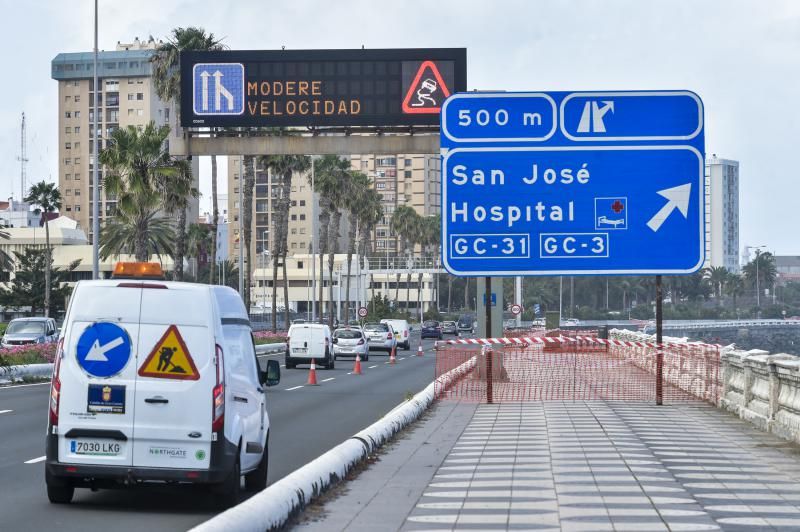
(170, 359)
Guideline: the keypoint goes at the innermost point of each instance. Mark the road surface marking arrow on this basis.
(677, 197)
(98, 353)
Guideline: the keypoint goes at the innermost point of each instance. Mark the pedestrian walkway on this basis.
(590, 465)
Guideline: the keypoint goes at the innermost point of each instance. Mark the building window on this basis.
(77, 114)
(77, 129)
(294, 217)
(299, 264)
(294, 245)
(407, 174)
(67, 161)
(140, 96)
(67, 114)
(77, 208)
(78, 177)
(235, 204)
(302, 203)
(77, 160)
(131, 111)
(67, 130)
(68, 192)
(294, 203)
(67, 176)
(140, 112)
(131, 96)
(166, 112)
(77, 192)
(67, 145)
(77, 145)
(130, 81)
(303, 245)
(408, 162)
(77, 98)
(294, 231)
(302, 230)
(302, 216)
(68, 208)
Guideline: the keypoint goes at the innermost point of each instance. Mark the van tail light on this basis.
(327, 341)
(389, 336)
(218, 396)
(405, 333)
(55, 385)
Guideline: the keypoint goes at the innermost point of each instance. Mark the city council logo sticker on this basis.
(170, 359)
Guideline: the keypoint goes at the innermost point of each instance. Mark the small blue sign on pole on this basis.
(103, 349)
(573, 183)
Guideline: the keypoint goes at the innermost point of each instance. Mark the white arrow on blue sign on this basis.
(103, 349)
(218, 88)
(573, 183)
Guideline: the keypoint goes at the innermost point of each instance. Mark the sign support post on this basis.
(488, 304)
(659, 346)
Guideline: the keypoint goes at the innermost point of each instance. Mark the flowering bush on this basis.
(269, 337)
(27, 354)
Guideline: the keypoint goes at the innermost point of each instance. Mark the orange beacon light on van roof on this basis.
(138, 270)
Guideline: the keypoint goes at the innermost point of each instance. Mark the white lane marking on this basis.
(375, 366)
(328, 379)
(293, 388)
(401, 358)
(349, 372)
(5, 411)
(283, 365)
(24, 385)
(35, 460)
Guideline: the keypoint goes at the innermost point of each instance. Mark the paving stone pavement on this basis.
(611, 466)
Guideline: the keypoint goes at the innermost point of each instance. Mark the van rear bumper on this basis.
(223, 456)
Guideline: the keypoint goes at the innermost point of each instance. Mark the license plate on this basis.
(95, 447)
(299, 350)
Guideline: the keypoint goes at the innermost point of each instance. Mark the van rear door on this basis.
(175, 379)
(96, 407)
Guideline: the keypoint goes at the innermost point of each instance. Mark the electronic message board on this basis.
(395, 87)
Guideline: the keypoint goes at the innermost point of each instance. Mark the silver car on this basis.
(380, 337)
(22, 331)
(349, 342)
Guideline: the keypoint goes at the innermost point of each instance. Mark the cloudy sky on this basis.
(741, 56)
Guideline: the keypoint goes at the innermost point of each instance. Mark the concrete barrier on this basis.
(273, 507)
(268, 349)
(14, 373)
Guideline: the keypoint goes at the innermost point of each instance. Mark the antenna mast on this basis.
(22, 160)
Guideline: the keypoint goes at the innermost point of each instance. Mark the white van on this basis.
(307, 341)
(156, 381)
(402, 332)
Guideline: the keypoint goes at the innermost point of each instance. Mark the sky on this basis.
(740, 56)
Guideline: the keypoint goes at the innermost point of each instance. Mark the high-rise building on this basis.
(127, 97)
(722, 213)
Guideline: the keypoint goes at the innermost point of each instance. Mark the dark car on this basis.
(431, 329)
(466, 323)
(449, 327)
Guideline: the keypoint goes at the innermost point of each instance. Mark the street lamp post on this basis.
(758, 290)
(265, 255)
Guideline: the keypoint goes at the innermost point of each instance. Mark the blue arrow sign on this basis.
(573, 183)
(103, 349)
(218, 88)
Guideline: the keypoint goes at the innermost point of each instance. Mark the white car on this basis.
(380, 337)
(350, 342)
(307, 342)
(156, 381)
(402, 331)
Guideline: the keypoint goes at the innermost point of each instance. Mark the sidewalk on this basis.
(575, 466)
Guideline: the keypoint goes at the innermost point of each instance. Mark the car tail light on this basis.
(55, 385)
(218, 396)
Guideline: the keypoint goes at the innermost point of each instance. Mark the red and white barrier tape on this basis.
(529, 340)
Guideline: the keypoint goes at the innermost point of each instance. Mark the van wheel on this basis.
(229, 489)
(59, 490)
(289, 365)
(257, 480)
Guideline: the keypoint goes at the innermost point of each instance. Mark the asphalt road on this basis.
(305, 422)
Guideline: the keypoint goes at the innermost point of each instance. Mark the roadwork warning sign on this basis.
(170, 359)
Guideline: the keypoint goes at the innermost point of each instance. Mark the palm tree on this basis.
(248, 182)
(762, 267)
(371, 214)
(47, 199)
(167, 81)
(176, 188)
(124, 234)
(138, 164)
(198, 241)
(403, 224)
(359, 188)
(717, 276)
(283, 167)
(430, 238)
(734, 287)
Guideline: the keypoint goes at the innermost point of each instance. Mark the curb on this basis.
(274, 506)
(264, 349)
(12, 373)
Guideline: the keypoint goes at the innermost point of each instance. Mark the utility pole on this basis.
(22, 160)
(313, 248)
(241, 229)
(95, 175)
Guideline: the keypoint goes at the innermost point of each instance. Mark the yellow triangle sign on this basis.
(170, 359)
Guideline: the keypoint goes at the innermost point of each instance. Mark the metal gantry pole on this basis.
(95, 173)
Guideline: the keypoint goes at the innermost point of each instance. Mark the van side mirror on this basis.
(272, 375)
(335, 340)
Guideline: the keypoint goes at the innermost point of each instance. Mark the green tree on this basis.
(734, 287)
(248, 183)
(176, 188)
(46, 199)
(761, 271)
(404, 225)
(138, 164)
(122, 235)
(167, 81)
(198, 243)
(355, 202)
(227, 275)
(717, 276)
(28, 287)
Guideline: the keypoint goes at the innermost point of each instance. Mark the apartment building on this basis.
(126, 97)
(722, 213)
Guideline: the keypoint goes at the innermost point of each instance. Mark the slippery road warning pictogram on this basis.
(427, 92)
(170, 359)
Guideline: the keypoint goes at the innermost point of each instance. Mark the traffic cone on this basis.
(312, 375)
(392, 359)
(419, 351)
(357, 366)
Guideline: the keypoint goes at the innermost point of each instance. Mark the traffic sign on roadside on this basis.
(573, 183)
(516, 309)
(362, 312)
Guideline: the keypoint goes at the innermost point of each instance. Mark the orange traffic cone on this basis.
(312, 375)
(419, 351)
(392, 359)
(357, 366)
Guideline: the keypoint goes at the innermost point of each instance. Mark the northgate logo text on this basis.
(278, 98)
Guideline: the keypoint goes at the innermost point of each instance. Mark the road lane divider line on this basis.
(36, 460)
(372, 367)
(24, 385)
(328, 379)
(5, 411)
(294, 388)
(271, 508)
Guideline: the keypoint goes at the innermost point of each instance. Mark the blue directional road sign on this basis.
(218, 89)
(573, 183)
(103, 349)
